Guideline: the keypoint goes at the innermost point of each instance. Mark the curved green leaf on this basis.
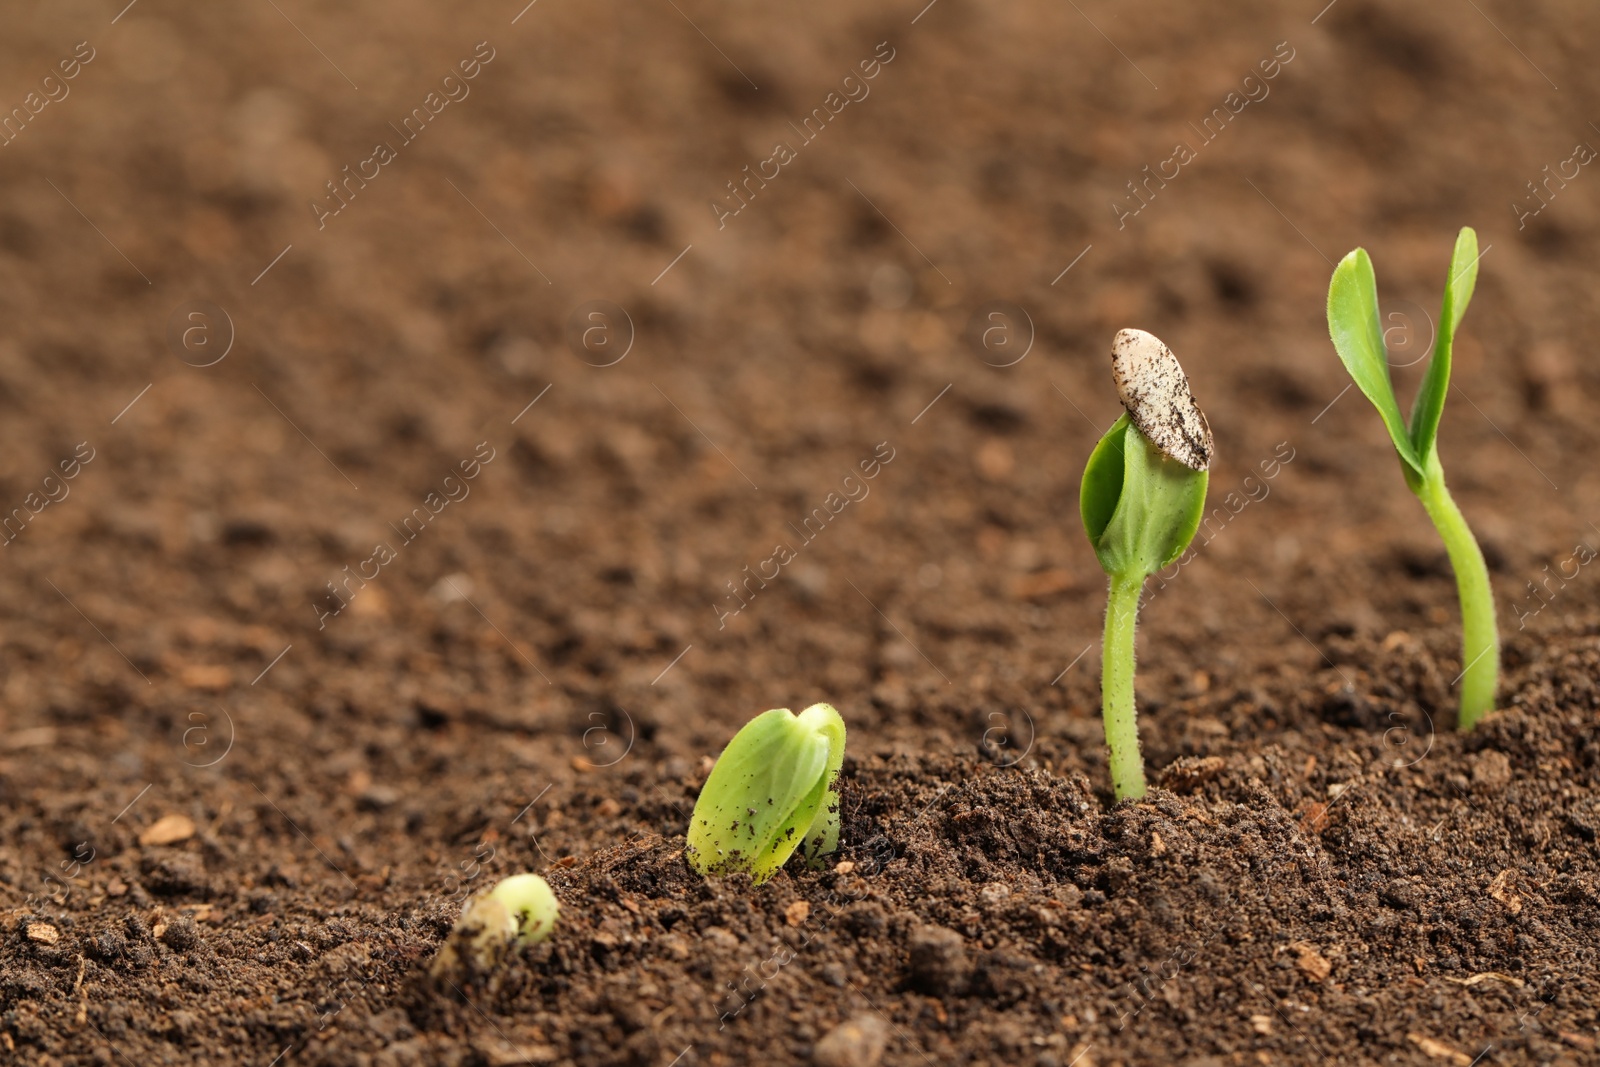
(823, 837)
(1357, 334)
(1102, 480)
(1140, 507)
(770, 788)
(1429, 405)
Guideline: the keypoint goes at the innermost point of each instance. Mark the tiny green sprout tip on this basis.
(520, 910)
(1357, 333)
(772, 791)
(530, 904)
(1142, 499)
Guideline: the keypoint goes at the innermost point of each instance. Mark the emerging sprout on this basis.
(1142, 498)
(529, 904)
(1358, 335)
(520, 910)
(772, 790)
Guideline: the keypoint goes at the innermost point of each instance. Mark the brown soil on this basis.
(235, 826)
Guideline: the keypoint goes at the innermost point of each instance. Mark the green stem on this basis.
(1116, 687)
(1480, 641)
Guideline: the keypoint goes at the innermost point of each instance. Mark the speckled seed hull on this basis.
(1156, 393)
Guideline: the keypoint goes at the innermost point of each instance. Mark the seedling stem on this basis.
(1480, 639)
(1116, 686)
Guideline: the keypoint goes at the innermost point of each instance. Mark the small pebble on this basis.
(168, 830)
(43, 933)
(857, 1042)
(1491, 772)
(938, 960)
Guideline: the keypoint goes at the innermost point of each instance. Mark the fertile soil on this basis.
(421, 455)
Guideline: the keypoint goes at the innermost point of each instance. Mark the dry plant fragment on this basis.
(1500, 889)
(1155, 391)
(1439, 1050)
(168, 830)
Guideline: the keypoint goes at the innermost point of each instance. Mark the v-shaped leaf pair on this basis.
(1357, 330)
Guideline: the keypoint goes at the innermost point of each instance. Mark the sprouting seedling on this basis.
(530, 905)
(1142, 498)
(519, 910)
(772, 791)
(1358, 335)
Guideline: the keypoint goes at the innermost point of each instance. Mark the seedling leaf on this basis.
(771, 789)
(1358, 336)
(1102, 481)
(1458, 287)
(1155, 503)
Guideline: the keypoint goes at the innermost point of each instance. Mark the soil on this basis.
(463, 558)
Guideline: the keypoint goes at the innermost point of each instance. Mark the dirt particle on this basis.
(995, 460)
(181, 1024)
(205, 676)
(938, 960)
(168, 830)
(43, 933)
(797, 913)
(1314, 817)
(1439, 1050)
(1189, 773)
(720, 937)
(995, 893)
(378, 798)
(1042, 585)
(107, 945)
(1261, 1024)
(181, 934)
(857, 1042)
(1500, 889)
(174, 874)
(1312, 963)
(1491, 772)
(1400, 893)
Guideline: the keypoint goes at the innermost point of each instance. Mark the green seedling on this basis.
(530, 905)
(772, 791)
(1142, 499)
(1358, 335)
(520, 910)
